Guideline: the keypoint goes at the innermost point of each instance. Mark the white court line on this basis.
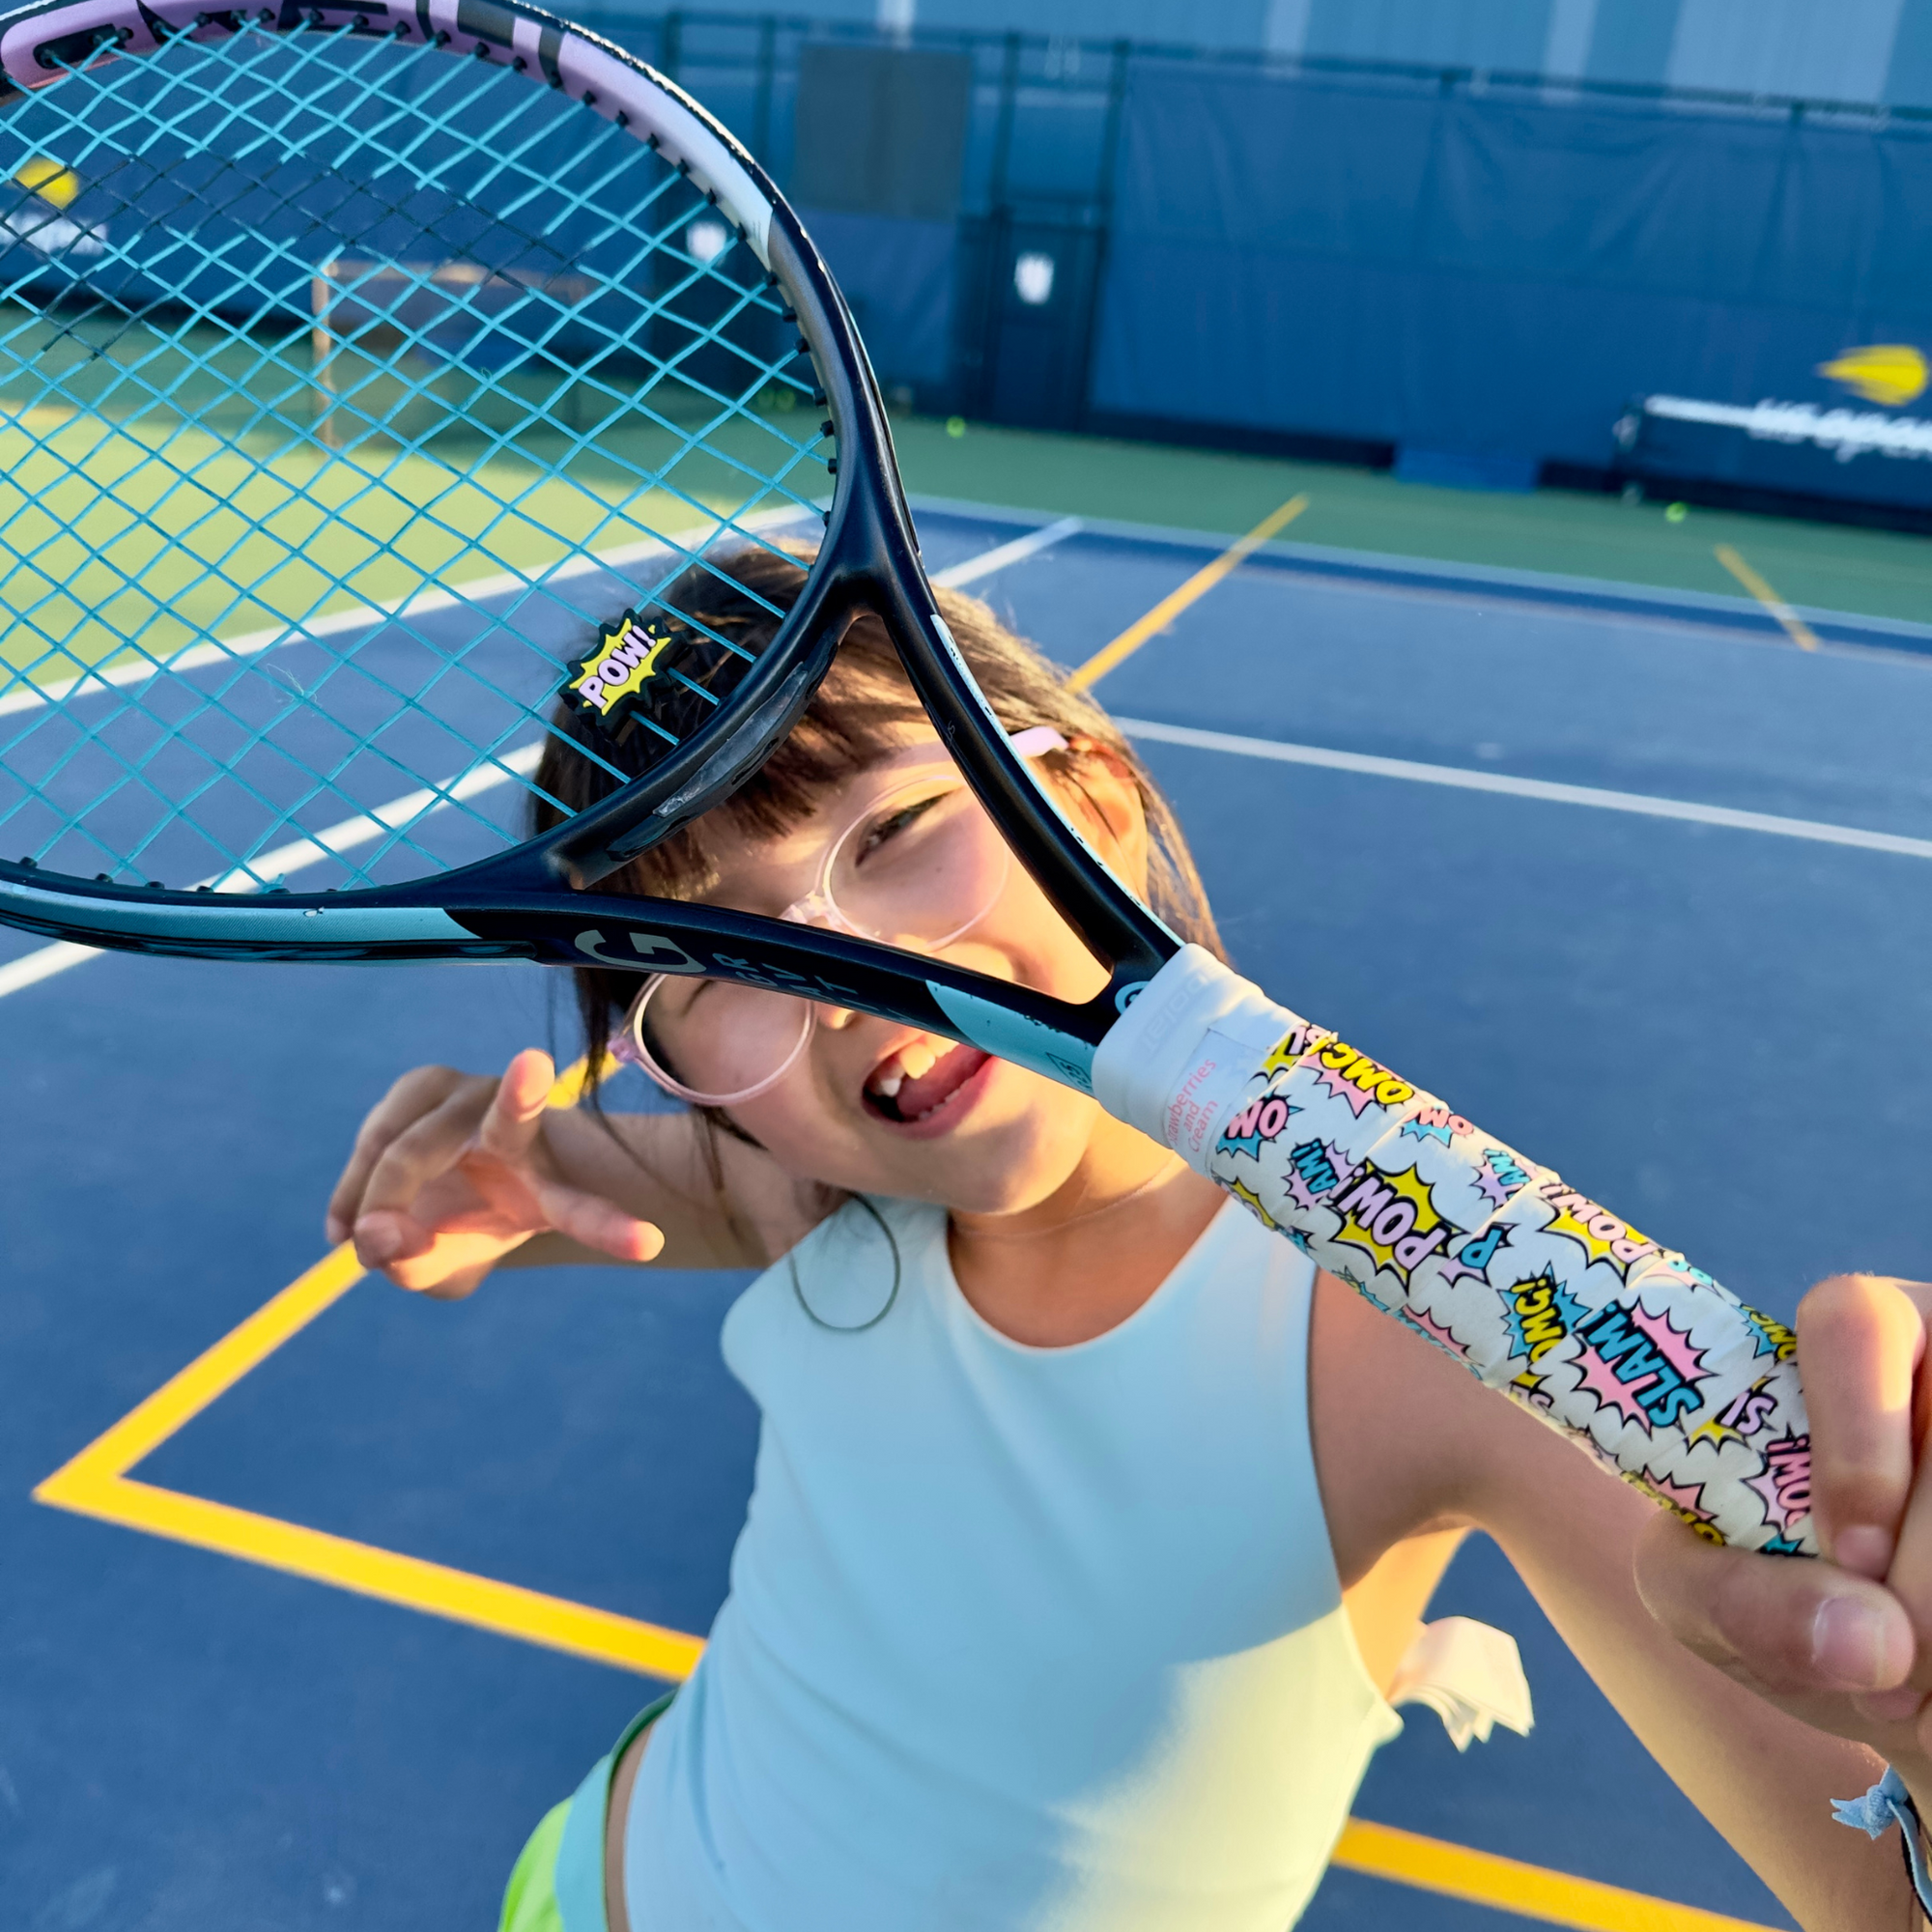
(1001, 554)
(1458, 779)
(251, 643)
(31, 967)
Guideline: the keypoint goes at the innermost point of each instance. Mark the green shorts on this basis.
(558, 1884)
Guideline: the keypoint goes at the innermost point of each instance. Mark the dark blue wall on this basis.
(897, 276)
(1489, 274)
(1474, 265)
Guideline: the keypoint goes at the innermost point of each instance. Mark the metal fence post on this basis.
(761, 113)
(984, 344)
(1104, 186)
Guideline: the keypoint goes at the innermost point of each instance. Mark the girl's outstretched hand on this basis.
(1844, 1644)
(450, 1171)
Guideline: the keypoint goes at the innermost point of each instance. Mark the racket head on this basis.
(383, 370)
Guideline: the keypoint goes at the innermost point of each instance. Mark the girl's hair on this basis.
(848, 725)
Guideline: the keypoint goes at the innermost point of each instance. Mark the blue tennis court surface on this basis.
(1722, 1029)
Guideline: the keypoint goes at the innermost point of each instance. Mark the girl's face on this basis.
(874, 1106)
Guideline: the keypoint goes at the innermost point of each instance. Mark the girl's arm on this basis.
(1576, 1533)
(452, 1174)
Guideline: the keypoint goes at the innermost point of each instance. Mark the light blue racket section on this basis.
(1009, 1036)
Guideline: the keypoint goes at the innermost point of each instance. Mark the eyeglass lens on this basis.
(918, 868)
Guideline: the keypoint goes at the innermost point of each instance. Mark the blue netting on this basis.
(345, 388)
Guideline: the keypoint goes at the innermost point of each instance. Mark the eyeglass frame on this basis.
(816, 907)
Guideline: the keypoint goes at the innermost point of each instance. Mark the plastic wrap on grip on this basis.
(1535, 1287)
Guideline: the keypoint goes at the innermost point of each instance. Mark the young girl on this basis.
(1067, 1464)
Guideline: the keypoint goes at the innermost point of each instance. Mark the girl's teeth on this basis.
(915, 1059)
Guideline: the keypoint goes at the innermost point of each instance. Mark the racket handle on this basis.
(1534, 1288)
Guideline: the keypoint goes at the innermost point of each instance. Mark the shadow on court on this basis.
(1721, 1031)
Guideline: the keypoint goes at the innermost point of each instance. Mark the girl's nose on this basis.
(816, 909)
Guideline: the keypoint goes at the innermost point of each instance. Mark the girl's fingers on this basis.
(421, 1091)
(385, 1236)
(1809, 1633)
(424, 1151)
(592, 1222)
(509, 1129)
(447, 1178)
(1860, 1342)
(1910, 1577)
(441, 1280)
(450, 1288)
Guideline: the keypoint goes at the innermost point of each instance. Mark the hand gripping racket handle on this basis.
(1534, 1288)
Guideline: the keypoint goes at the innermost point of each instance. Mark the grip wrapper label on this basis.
(1536, 1288)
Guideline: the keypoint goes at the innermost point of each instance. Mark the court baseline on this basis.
(60, 955)
(1461, 778)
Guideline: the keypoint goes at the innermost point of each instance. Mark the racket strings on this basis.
(800, 451)
(134, 854)
(392, 206)
(656, 240)
(315, 398)
(744, 297)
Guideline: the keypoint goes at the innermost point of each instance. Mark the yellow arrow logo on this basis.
(1886, 372)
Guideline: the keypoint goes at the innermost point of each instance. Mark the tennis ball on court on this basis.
(1675, 514)
(956, 426)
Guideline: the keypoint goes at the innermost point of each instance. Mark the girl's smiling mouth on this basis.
(922, 1077)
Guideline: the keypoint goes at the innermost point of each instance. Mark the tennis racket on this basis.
(357, 362)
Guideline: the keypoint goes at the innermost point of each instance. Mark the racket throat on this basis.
(588, 850)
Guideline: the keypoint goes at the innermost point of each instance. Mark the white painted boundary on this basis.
(1458, 779)
(958, 575)
(361, 616)
(43, 965)
(48, 960)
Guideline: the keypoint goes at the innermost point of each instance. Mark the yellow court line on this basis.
(212, 1374)
(246, 1348)
(1507, 1884)
(1192, 591)
(1801, 633)
(555, 1623)
(95, 1483)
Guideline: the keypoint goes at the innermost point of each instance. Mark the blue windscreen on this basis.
(1498, 273)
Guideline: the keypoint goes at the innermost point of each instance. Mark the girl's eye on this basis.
(672, 1007)
(902, 818)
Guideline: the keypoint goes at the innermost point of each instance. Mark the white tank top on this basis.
(1017, 1638)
